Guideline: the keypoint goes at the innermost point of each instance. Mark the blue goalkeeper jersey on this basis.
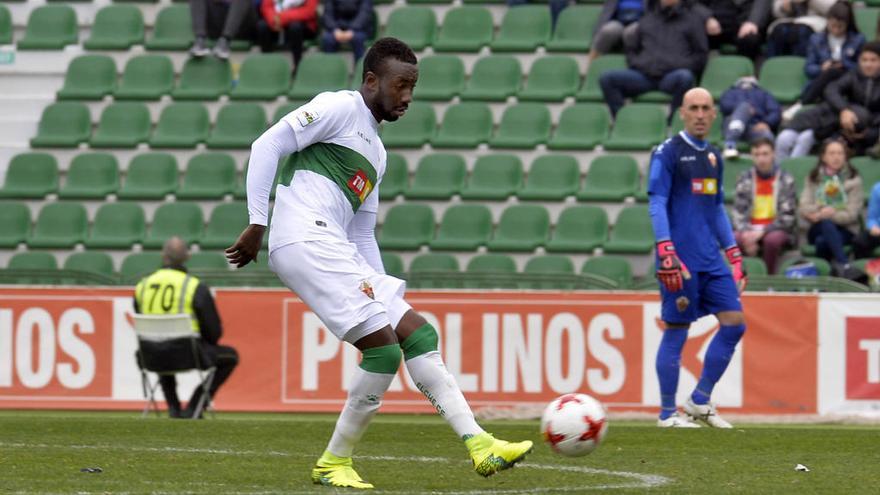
(687, 201)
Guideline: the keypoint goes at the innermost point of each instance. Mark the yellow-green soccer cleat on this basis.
(337, 471)
(491, 455)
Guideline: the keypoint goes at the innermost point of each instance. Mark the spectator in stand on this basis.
(749, 112)
(556, 6)
(739, 22)
(288, 23)
(669, 51)
(795, 21)
(347, 21)
(616, 26)
(222, 20)
(851, 109)
(869, 239)
(831, 203)
(830, 54)
(765, 208)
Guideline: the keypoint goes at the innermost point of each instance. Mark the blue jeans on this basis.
(330, 45)
(740, 128)
(829, 239)
(617, 85)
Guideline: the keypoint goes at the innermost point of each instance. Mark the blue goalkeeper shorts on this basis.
(706, 293)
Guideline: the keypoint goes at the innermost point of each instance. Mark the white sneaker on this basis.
(676, 421)
(705, 413)
(730, 152)
(791, 111)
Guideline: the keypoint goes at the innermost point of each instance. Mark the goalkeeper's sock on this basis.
(668, 366)
(717, 358)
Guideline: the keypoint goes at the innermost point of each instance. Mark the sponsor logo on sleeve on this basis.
(307, 117)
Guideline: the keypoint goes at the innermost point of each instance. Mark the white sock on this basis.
(431, 376)
(364, 399)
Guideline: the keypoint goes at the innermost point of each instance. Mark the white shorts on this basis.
(337, 283)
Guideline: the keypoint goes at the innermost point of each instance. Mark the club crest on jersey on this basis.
(707, 186)
(307, 117)
(712, 160)
(360, 185)
(367, 289)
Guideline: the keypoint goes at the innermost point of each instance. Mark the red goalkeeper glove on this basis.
(671, 273)
(735, 258)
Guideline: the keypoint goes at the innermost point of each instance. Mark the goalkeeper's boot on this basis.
(705, 413)
(676, 421)
(491, 455)
(337, 471)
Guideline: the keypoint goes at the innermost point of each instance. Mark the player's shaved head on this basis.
(174, 252)
(697, 112)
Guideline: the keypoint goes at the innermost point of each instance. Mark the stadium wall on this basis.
(802, 354)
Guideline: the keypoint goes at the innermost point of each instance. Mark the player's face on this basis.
(834, 156)
(763, 158)
(395, 89)
(698, 113)
(869, 64)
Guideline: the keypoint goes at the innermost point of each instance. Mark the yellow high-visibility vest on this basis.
(168, 291)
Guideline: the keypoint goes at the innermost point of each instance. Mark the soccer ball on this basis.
(574, 424)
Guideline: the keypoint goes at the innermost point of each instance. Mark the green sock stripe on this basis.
(384, 359)
(422, 341)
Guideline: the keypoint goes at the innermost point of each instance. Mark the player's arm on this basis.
(724, 234)
(362, 232)
(671, 272)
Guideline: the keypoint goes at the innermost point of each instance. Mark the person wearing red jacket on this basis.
(288, 23)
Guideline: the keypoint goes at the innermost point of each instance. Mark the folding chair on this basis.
(168, 345)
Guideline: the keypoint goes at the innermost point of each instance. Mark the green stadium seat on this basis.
(238, 126)
(799, 168)
(582, 126)
(283, 110)
(136, 266)
(5, 26)
(523, 29)
(494, 78)
(783, 77)
(205, 78)
(551, 178)
(822, 266)
(407, 227)
(610, 178)
(552, 78)
(262, 77)
(150, 176)
(632, 232)
(549, 264)
(92, 262)
(15, 223)
(754, 265)
(64, 124)
(225, 224)
(91, 176)
(88, 77)
(33, 261)
(184, 220)
(208, 176)
(591, 91)
(490, 266)
(438, 176)
(866, 19)
(574, 29)
(465, 125)
(615, 268)
(320, 72)
(207, 261)
(50, 27)
(869, 169)
(181, 125)
(521, 228)
(638, 126)
(146, 77)
(495, 177)
(172, 30)
(715, 134)
(116, 27)
(523, 126)
(59, 225)
(579, 229)
(393, 265)
(465, 29)
(396, 178)
(30, 176)
(423, 265)
(117, 226)
(123, 124)
(463, 228)
(732, 170)
(441, 77)
(722, 71)
(414, 25)
(412, 130)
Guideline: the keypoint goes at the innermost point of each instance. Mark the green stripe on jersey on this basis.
(347, 168)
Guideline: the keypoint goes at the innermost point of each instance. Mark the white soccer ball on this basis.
(574, 424)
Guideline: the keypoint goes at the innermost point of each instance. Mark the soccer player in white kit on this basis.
(322, 246)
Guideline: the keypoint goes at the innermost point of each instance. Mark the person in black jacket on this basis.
(740, 22)
(347, 21)
(171, 290)
(669, 52)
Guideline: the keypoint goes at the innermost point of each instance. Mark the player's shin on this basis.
(668, 368)
(718, 356)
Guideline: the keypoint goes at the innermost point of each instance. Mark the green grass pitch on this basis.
(44, 452)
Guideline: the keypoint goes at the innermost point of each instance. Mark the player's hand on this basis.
(247, 246)
(671, 273)
(740, 277)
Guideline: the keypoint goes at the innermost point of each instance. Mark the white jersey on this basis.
(335, 174)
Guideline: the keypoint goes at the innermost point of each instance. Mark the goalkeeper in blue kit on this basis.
(691, 228)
